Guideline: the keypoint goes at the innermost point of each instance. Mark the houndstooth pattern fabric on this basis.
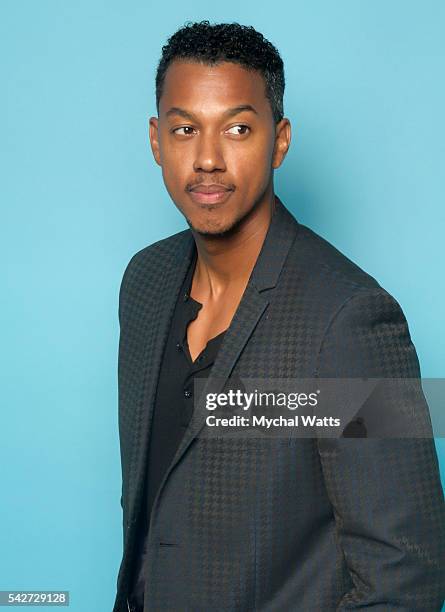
(276, 525)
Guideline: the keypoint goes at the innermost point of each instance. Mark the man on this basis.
(246, 523)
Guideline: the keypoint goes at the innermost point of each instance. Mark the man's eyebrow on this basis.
(240, 109)
(230, 112)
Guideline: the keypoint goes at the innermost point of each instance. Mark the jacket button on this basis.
(187, 393)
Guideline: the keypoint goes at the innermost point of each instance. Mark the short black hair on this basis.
(214, 43)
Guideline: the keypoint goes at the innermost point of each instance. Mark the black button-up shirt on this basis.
(172, 413)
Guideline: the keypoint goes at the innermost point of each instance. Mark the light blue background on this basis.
(80, 194)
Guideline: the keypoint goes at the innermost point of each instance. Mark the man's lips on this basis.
(210, 194)
(213, 188)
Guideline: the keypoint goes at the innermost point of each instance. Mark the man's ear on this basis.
(154, 139)
(282, 142)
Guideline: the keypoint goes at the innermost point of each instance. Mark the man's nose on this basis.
(209, 154)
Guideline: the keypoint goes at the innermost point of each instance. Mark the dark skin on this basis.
(215, 127)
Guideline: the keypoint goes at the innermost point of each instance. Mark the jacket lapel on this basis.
(249, 312)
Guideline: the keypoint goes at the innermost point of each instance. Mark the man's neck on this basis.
(227, 262)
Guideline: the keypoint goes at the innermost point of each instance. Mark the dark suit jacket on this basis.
(279, 525)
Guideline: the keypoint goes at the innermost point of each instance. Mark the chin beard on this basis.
(220, 231)
(217, 232)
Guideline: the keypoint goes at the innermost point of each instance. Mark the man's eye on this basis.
(239, 130)
(187, 130)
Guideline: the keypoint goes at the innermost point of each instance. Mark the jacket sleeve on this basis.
(386, 493)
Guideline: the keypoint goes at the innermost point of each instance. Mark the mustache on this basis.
(213, 181)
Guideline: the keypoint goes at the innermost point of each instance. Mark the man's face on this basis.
(217, 142)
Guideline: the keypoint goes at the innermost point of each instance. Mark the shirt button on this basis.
(187, 393)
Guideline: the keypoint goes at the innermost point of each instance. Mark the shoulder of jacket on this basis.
(154, 256)
(336, 279)
(321, 258)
